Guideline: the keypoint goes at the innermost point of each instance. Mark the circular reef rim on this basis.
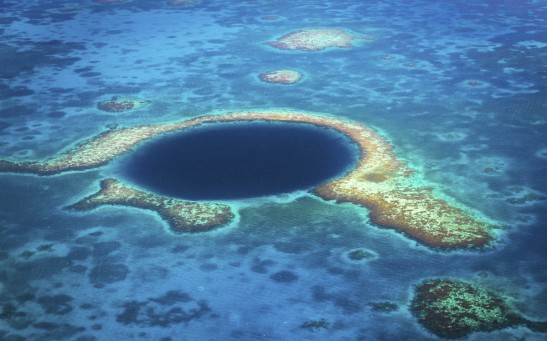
(380, 182)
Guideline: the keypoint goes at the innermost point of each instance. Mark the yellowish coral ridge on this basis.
(181, 215)
(378, 182)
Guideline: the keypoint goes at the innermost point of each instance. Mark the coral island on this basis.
(181, 215)
(121, 104)
(315, 39)
(379, 182)
(281, 76)
(453, 309)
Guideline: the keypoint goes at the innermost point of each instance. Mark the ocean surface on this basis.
(459, 88)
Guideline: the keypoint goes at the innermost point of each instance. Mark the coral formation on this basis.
(378, 182)
(281, 76)
(121, 104)
(473, 83)
(526, 198)
(313, 325)
(315, 39)
(105, 2)
(360, 254)
(270, 17)
(174, 307)
(383, 307)
(182, 216)
(453, 309)
(180, 2)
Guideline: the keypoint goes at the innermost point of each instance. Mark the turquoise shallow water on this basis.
(458, 87)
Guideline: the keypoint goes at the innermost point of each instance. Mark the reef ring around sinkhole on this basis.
(396, 198)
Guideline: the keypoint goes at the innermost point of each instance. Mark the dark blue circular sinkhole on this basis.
(240, 160)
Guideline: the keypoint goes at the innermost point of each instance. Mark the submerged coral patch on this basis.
(180, 2)
(359, 255)
(542, 153)
(526, 198)
(284, 276)
(107, 273)
(281, 76)
(270, 17)
(454, 309)
(174, 307)
(315, 325)
(315, 39)
(383, 307)
(121, 104)
(474, 83)
(106, 2)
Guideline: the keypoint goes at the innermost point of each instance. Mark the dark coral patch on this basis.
(121, 104)
(313, 325)
(383, 307)
(284, 276)
(261, 266)
(107, 273)
(106, 2)
(58, 304)
(78, 253)
(15, 318)
(173, 307)
(526, 198)
(102, 249)
(454, 309)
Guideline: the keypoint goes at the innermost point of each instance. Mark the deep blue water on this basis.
(237, 161)
(457, 87)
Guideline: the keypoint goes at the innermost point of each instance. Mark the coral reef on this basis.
(180, 2)
(359, 254)
(281, 76)
(174, 307)
(378, 182)
(121, 104)
(525, 199)
(106, 2)
(453, 309)
(314, 39)
(313, 325)
(270, 17)
(383, 307)
(473, 83)
(182, 216)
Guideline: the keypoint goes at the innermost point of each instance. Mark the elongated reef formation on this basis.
(181, 215)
